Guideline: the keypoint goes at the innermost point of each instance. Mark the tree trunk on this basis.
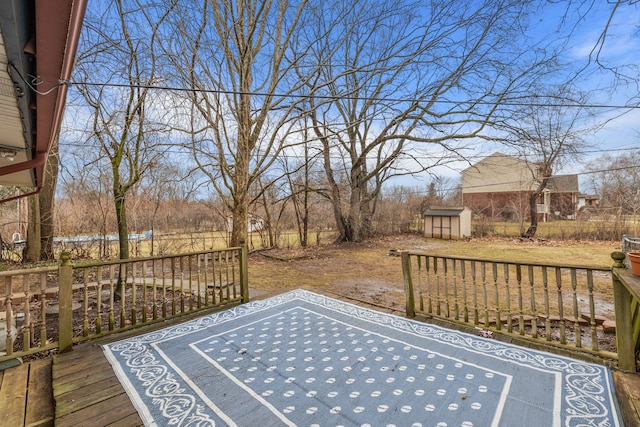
(533, 212)
(47, 202)
(123, 240)
(123, 229)
(359, 218)
(239, 228)
(31, 251)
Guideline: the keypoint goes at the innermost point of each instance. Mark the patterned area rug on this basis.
(302, 359)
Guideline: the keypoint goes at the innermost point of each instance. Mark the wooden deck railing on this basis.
(54, 307)
(626, 293)
(548, 306)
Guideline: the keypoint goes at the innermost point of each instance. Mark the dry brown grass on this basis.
(366, 271)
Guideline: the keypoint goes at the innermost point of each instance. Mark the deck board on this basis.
(627, 387)
(102, 413)
(86, 390)
(13, 395)
(25, 395)
(39, 411)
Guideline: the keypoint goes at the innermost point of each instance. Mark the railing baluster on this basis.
(164, 290)
(205, 267)
(547, 312)
(563, 337)
(193, 298)
(577, 329)
(592, 311)
(483, 275)
(456, 306)
(26, 325)
(214, 279)
(220, 287)
(154, 289)
(43, 310)
(9, 314)
(438, 297)
(111, 298)
(476, 313)
(226, 272)
(508, 298)
(122, 282)
(534, 318)
(463, 275)
(99, 300)
(134, 299)
(494, 274)
(520, 304)
(445, 267)
(427, 266)
(420, 295)
(145, 307)
(235, 257)
(85, 311)
(173, 286)
(181, 280)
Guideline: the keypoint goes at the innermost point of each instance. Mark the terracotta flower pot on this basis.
(634, 258)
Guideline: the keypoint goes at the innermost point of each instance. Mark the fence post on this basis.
(408, 285)
(65, 303)
(244, 272)
(624, 323)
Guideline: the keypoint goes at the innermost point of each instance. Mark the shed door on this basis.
(441, 228)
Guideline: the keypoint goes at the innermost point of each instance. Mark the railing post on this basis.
(65, 303)
(244, 272)
(408, 285)
(624, 323)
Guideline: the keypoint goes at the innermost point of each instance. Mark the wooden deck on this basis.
(87, 392)
(25, 395)
(80, 388)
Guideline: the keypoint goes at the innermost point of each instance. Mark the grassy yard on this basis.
(582, 253)
(367, 271)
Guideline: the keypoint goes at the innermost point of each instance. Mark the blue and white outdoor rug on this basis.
(302, 359)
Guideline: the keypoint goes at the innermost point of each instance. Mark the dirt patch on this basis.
(370, 271)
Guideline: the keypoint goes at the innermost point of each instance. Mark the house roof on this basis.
(563, 184)
(38, 43)
(502, 173)
(497, 159)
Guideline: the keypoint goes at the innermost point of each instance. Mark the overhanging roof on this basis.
(38, 43)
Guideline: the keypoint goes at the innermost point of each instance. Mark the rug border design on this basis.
(585, 395)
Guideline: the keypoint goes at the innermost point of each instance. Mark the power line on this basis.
(356, 98)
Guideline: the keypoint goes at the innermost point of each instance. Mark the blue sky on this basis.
(620, 49)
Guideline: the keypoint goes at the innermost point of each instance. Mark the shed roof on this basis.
(444, 211)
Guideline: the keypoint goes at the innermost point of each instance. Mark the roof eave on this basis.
(57, 31)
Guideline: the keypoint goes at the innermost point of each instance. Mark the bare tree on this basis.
(117, 63)
(548, 135)
(616, 179)
(234, 56)
(401, 87)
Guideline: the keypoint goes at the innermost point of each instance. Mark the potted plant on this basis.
(634, 258)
